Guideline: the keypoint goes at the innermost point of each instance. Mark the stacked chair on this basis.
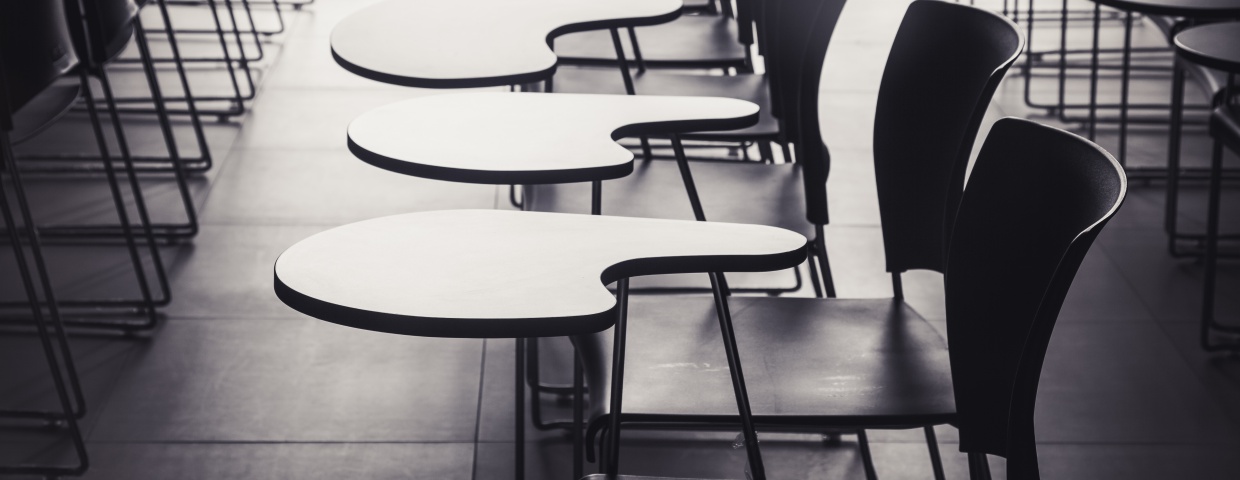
(106, 31)
(38, 51)
(99, 33)
(58, 61)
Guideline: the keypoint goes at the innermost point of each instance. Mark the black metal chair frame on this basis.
(1214, 335)
(146, 305)
(79, 163)
(819, 265)
(72, 406)
(951, 151)
(237, 100)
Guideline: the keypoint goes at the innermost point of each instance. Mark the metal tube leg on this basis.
(228, 61)
(1175, 134)
(579, 390)
(752, 447)
(244, 60)
(932, 442)
(139, 202)
(867, 461)
(824, 265)
(695, 201)
(623, 61)
(518, 441)
(78, 409)
(191, 105)
(165, 126)
(579, 393)
(62, 393)
(1124, 81)
(1063, 58)
(617, 378)
(979, 466)
(1211, 250)
(1093, 76)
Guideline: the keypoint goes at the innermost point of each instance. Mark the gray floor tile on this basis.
(326, 187)
(296, 379)
(1124, 383)
(226, 272)
(270, 461)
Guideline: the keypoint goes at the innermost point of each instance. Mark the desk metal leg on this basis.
(1093, 77)
(518, 445)
(1124, 81)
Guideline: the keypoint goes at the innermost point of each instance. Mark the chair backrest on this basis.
(109, 26)
(796, 35)
(1035, 202)
(35, 50)
(944, 67)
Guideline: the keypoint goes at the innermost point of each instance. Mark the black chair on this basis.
(785, 27)
(37, 50)
(240, 47)
(773, 195)
(111, 26)
(1036, 200)
(945, 64)
(99, 34)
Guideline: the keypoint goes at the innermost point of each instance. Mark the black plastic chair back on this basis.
(35, 50)
(797, 34)
(944, 67)
(1034, 204)
(109, 26)
(797, 52)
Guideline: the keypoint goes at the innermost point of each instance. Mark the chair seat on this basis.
(1225, 126)
(807, 362)
(43, 110)
(692, 41)
(733, 192)
(744, 87)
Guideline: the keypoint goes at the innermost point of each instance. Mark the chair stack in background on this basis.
(112, 110)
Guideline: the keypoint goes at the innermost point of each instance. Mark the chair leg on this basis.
(170, 143)
(867, 461)
(814, 278)
(695, 201)
(612, 451)
(820, 253)
(121, 210)
(70, 413)
(936, 461)
(579, 393)
(757, 471)
(765, 153)
(979, 467)
(191, 104)
(518, 445)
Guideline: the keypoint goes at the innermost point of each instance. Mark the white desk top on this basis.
(492, 273)
(475, 43)
(529, 138)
